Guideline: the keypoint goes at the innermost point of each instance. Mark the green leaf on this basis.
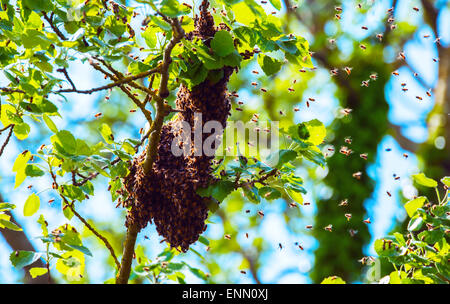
(33, 171)
(446, 181)
(50, 124)
(106, 132)
(279, 158)
(251, 193)
(21, 161)
(276, 4)
(316, 130)
(333, 280)
(415, 223)
(172, 8)
(269, 193)
(64, 142)
(22, 258)
(21, 130)
(37, 271)
(422, 180)
(218, 190)
(8, 224)
(222, 43)
(38, 5)
(414, 204)
(6, 206)
(203, 240)
(269, 65)
(81, 249)
(31, 205)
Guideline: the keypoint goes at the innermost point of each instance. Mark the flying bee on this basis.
(42, 147)
(395, 73)
(307, 104)
(308, 226)
(306, 203)
(418, 97)
(405, 155)
(436, 59)
(263, 90)
(367, 221)
(345, 150)
(388, 150)
(302, 71)
(364, 28)
(365, 83)
(243, 272)
(239, 109)
(438, 41)
(352, 232)
(380, 36)
(296, 109)
(255, 72)
(247, 211)
(337, 16)
(348, 70)
(362, 46)
(261, 214)
(132, 110)
(227, 236)
(415, 74)
(404, 89)
(291, 90)
(98, 115)
(280, 246)
(30, 186)
(393, 27)
(338, 8)
(401, 55)
(389, 193)
(357, 175)
(426, 36)
(254, 83)
(240, 102)
(348, 216)
(373, 76)
(332, 40)
(403, 84)
(334, 72)
(329, 228)
(359, 6)
(416, 8)
(348, 140)
(397, 177)
(428, 93)
(301, 247)
(363, 156)
(346, 111)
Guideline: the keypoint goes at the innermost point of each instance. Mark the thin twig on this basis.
(53, 26)
(8, 137)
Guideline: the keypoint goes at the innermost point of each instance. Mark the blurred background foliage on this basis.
(278, 248)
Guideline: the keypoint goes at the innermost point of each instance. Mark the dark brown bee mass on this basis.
(167, 196)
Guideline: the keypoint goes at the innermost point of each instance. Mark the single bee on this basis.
(331, 41)
(329, 228)
(388, 149)
(418, 97)
(227, 236)
(365, 83)
(367, 221)
(291, 90)
(296, 109)
(357, 175)
(416, 8)
(373, 76)
(436, 59)
(426, 36)
(132, 110)
(352, 232)
(308, 226)
(98, 115)
(338, 8)
(395, 73)
(362, 46)
(255, 72)
(261, 214)
(30, 186)
(302, 71)
(393, 27)
(363, 156)
(364, 28)
(401, 55)
(246, 235)
(293, 205)
(306, 203)
(348, 70)
(254, 83)
(263, 90)
(239, 109)
(243, 272)
(380, 36)
(404, 89)
(405, 155)
(428, 93)
(389, 193)
(348, 140)
(346, 111)
(334, 72)
(51, 200)
(337, 16)
(348, 216)
(280, 246)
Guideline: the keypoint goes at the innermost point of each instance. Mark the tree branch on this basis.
(54, 28)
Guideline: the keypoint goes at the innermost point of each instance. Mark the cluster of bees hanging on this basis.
(167, 196)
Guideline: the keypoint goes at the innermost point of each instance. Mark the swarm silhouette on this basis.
(167, 196)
